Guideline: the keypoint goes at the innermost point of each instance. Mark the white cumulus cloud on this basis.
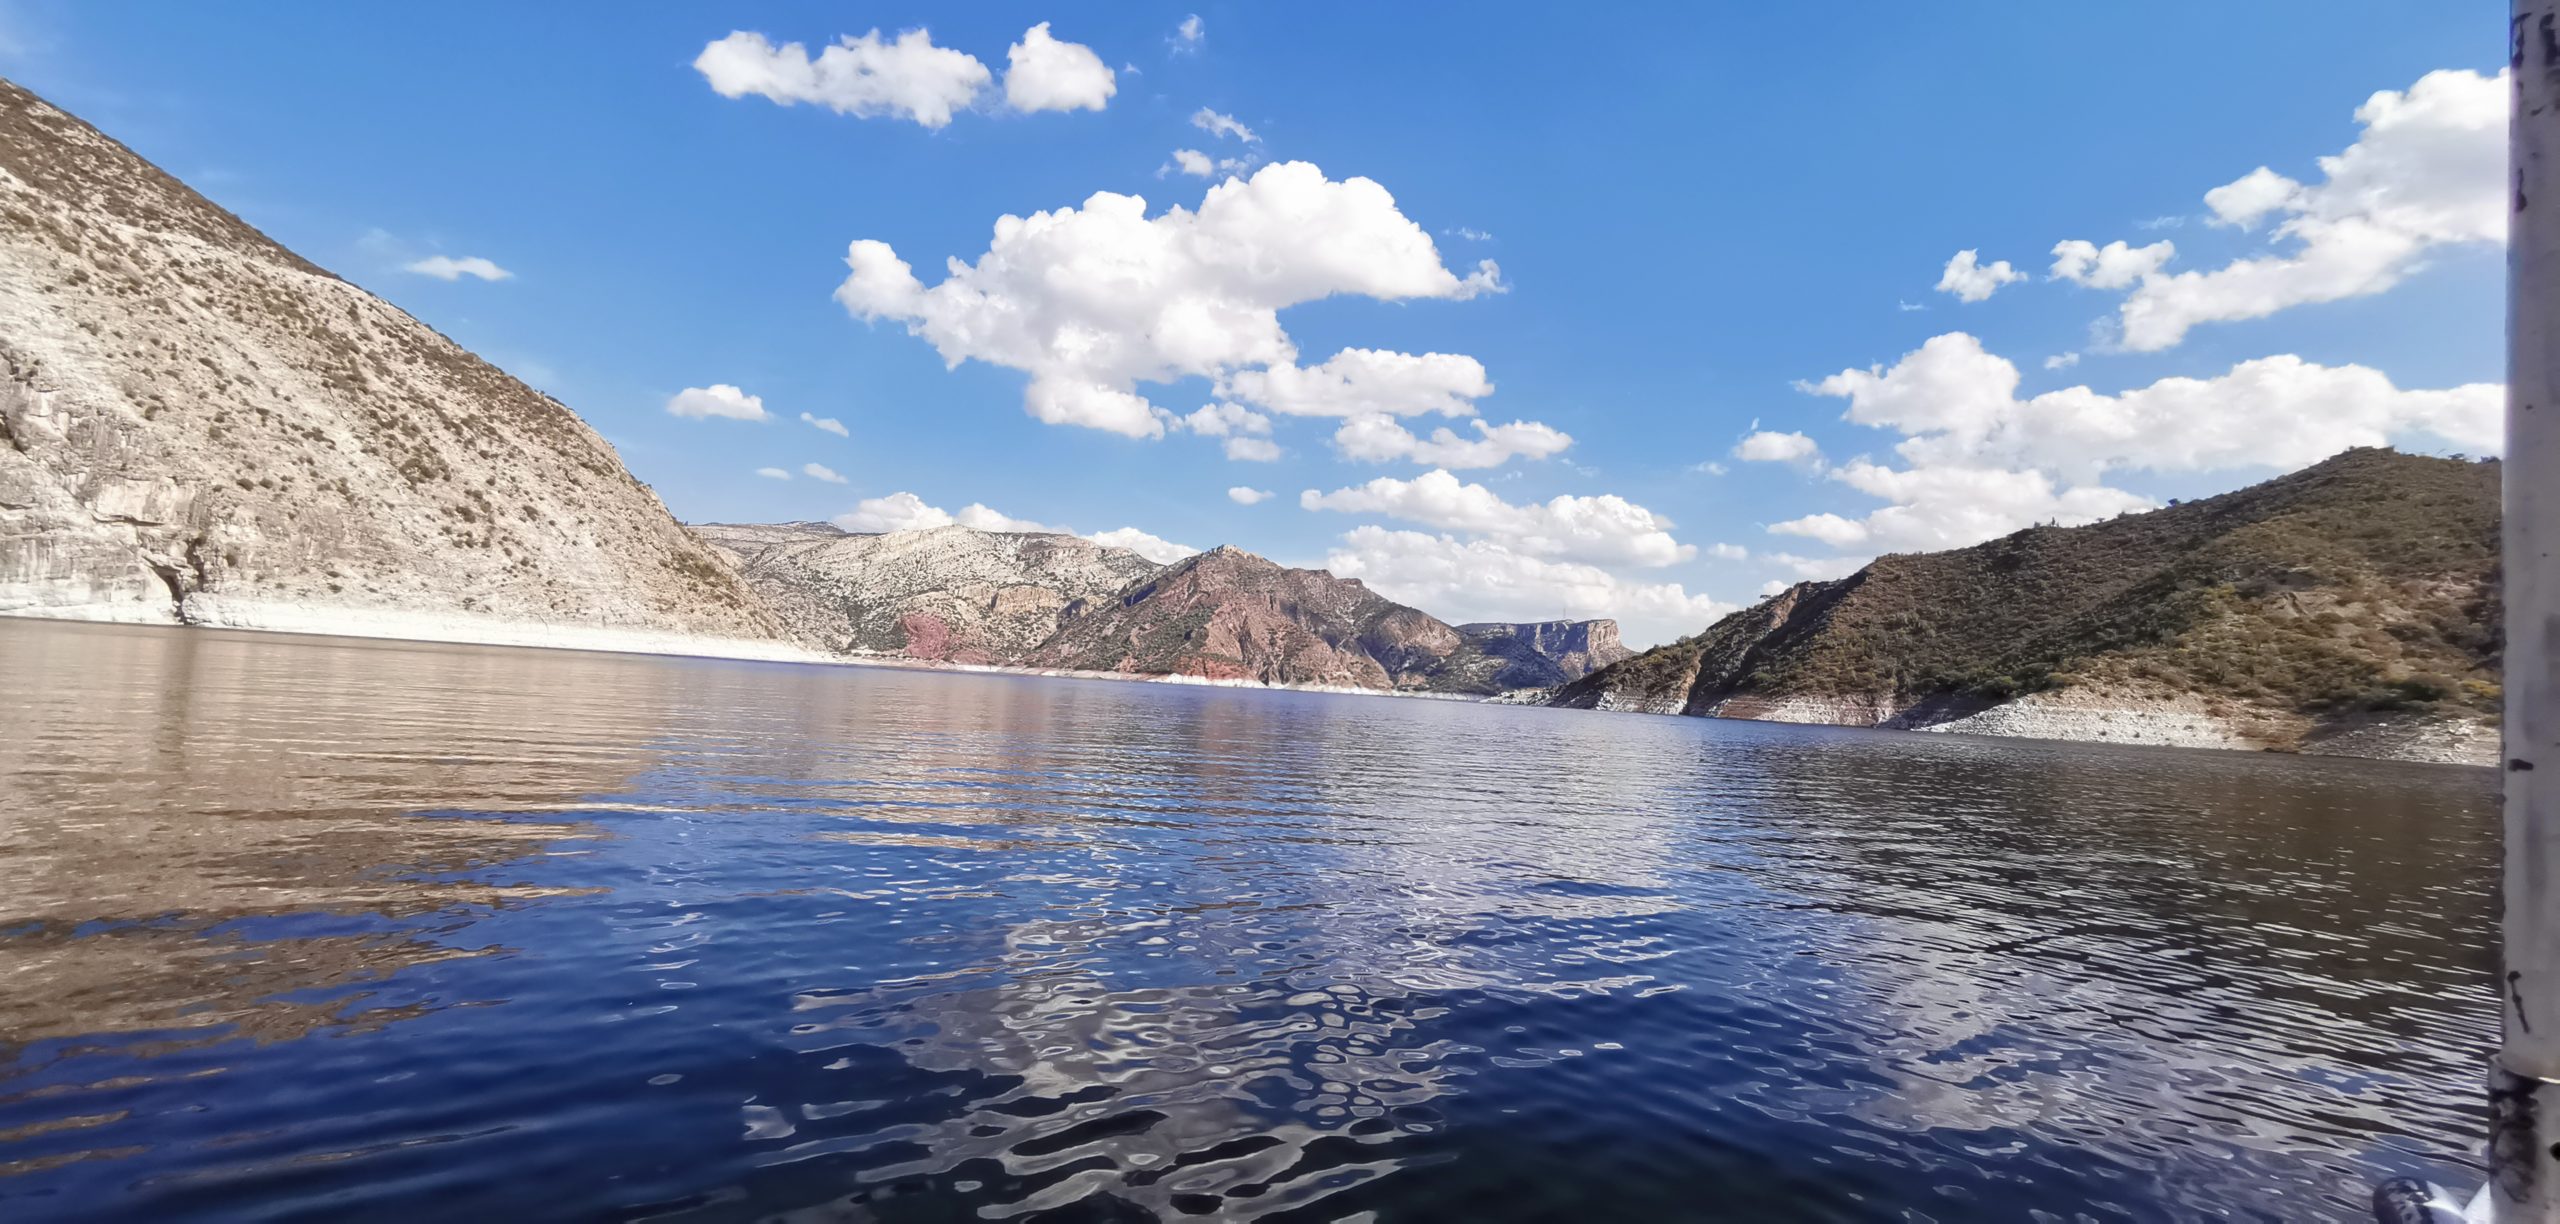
(773, 473)
(900, 511)
(1381, 439)
(717, 400)
(1247, 433)
(820, 471)
(2427, 171)
(1093, 300)
(1958, 404)
(2245, 201)
(1154, 548)
(1770, 446)
(1979, 462)
(903, 511)
(1603, 530)
(1247, 495)
(1485, 580)
(1046, 73)
(448, 268)
(829, 424)
(1814, 569)
(1366, 382)
(983, 519)
(2112, 266)
(1223, 420)
(1216, 124)
(1190, 34)
(1194, 163)
(1831, 529)
(907, 76)
(1971, 280)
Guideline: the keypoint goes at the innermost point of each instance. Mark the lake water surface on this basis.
(312, 929)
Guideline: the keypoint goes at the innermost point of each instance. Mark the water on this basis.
(305, 929)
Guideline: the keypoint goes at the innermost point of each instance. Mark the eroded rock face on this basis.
(1230, 615)
(198, 425)
(949, 594)
(736, 542)
(1541, 654)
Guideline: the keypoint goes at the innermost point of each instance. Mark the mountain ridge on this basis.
(1056, 602)
(200, 426)
(2352, 599)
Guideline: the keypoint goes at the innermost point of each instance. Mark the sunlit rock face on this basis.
(949, 594)
(956, 594)
(198, 425)
(1227, 614)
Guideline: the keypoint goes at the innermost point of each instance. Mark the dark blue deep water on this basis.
(305, 929)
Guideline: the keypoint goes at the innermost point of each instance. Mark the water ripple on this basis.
(304, 929)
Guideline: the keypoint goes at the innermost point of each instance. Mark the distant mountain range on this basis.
(197, 426)
(1059, 602)
(947, 595)
(2349, 607)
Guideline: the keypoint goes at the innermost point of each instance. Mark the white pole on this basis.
(2524, 1082)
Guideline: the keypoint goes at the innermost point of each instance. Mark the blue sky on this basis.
(1694, 208)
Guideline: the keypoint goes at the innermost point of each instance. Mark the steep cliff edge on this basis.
(198, 425)
(2349, 607)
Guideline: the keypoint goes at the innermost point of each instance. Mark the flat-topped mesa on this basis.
(2348, 608)
(198, 425)
(946, 594)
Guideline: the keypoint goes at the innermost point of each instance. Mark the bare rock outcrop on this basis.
(198, 425)
(948, 594)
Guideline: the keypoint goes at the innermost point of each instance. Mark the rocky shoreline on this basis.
(2163, 720)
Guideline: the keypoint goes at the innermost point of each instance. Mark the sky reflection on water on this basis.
(312, 928)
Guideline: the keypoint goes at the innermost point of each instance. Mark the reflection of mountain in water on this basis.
(177, 815)
(710, 941)
(2162, 940)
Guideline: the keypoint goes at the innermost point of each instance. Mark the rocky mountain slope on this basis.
(949, 594)
(2349, 607)
(198, 425)
(1543, 654)
(1060, 602)
(1227, 614)
(735, 542)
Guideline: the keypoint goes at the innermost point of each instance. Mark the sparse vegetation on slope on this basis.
(2366, 584)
